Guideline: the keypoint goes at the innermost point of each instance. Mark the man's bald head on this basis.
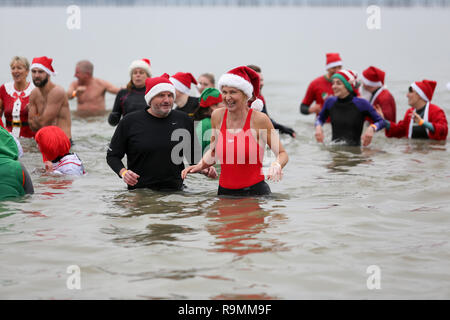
(86, 67)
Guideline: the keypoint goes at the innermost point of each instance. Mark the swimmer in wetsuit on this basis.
(347, 113)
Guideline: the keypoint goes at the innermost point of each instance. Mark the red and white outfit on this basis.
(432, 114)
(14, 107)
(69, 164)
(386, 101)
(318, 90)
(374, 77)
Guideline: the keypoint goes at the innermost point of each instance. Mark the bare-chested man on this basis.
(48, 101)
(90, 91)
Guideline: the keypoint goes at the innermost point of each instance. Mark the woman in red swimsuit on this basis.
(239, 138)
(14, 97)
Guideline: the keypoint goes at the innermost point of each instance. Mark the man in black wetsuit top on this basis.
(182, 83)
(155, 141)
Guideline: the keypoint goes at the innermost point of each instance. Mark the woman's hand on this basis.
(367, 136)
(319, 133)
(48, 166)
(275, 173)
(210, 172)
(191, 169)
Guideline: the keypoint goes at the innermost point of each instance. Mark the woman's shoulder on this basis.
(260, 119)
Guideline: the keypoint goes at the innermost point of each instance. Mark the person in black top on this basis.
(155, 141)
(132, 98)
(347, 113)
(182, 83)
(283, 129)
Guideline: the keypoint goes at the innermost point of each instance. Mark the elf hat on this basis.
(43, 63)
(348, 77)
(424, 89)
(333, 60)
(182, 81)
(52, 142)
(154, 86)
(373, 77)
(209, 97)
(143, 64)
(246, 80)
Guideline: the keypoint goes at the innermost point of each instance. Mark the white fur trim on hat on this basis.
(140, 64)
(333, 64)
(179, 86)
(419, 91)
(160, 87)
(232, 80)
(367, 82)
(40, 66)
(257, 105)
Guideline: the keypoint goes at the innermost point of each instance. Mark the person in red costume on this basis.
(14, 97)
(423, 120)
(320, 88)
(374, 91)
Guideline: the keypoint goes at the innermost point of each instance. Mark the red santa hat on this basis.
(43, 63)
(333, 60)
(373, 77)
(246, 80)
(154, 86)
(424, 89)
(52, 142)
(143, 64)
(182, 81)
(348, 77)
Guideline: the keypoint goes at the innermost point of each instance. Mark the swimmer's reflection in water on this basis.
(237, 223)
(345, 157)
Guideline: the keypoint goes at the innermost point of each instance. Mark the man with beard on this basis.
(155, 141)
(48, 101)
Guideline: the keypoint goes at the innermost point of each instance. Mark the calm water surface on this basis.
(338, 210)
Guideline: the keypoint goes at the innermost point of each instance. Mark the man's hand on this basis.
(417, 118)
(129, 177)
(379, 110)
(315, 108)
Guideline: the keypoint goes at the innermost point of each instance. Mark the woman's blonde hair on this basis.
(23, 60)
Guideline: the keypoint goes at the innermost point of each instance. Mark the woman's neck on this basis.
(21, 85)
(236, 118)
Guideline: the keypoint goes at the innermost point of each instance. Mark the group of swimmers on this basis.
(231, 122)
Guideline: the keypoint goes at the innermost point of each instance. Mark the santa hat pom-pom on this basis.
(257, 105)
